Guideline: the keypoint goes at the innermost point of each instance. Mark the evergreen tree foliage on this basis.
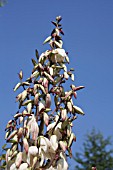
(96, 153)
(2, 2)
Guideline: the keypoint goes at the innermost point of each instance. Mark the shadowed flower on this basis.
(58, 55)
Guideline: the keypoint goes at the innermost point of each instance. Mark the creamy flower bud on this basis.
(41, 106)
(46, 118)
(33, 150)
(36, 99)
(23, 166)
(66, 76)
(13, 167)
(59, 55)
(18, 159)
(26, 145)
(24, 95)
(20, 132)
(64, 114)
(48, 101)
(63, 145)
(69, 105)
(29, 107)
(54, 142)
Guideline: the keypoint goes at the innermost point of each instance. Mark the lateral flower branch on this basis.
(40, 135)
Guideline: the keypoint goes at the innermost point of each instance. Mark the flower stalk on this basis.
(40, 135)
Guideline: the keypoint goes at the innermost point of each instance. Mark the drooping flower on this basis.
(33, 126)
(58, 55)
(33, 150)
(62, 163)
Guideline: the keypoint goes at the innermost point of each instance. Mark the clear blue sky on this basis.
(88, 27)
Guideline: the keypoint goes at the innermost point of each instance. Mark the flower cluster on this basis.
(40, 135)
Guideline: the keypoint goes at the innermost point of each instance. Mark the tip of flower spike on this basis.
(58, 18)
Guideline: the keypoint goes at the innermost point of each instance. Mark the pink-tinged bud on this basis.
(40, 66)
(20, 119)
(64, 114)
(26, 145)
(17, 115)
(45, 82)
(14, 148)
(46, 118)
(25, 123)
(18, 159)
(20, 132)
(35, 88)
(69, 130)
(75, 94)
(36, 99)
(40, 81)
(33, 150)
(48, 76)
(13, 167)
(34, 129)
(48, 100)
(42, 88)
(25, 113)
(10, 122)
(14, 154)
(71, 139)
(77, 88)
(63, 145)
(12, 135)
(67, 95)
(51, 126)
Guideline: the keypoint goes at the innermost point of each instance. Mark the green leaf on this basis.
(3, 147)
